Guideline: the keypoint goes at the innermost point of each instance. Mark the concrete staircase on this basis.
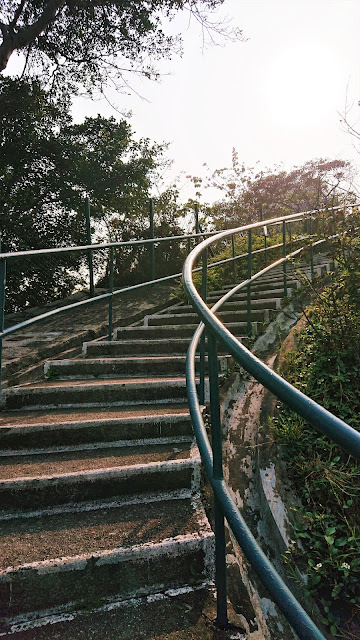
(100, 477)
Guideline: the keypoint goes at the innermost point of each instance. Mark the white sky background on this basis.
(275, 97)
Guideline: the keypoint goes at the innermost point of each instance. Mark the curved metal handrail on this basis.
(316, 415)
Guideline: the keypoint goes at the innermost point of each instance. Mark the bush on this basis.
(325, 365)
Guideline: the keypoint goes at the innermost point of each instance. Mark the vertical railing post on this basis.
(249, 330)
(311, 247)
(265, 232)
(284, 255)
(152, 244)
(202, 339)
(290, 238)
(111, 289)
(188, 245)
(220, 546)
(197, 225)
(334, 221)
(90, 256)
(2, 312)
(233, 257)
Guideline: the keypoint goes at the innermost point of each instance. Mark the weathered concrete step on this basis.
(270, 293)
(175, 346)
(69, 460)
(57, 429)
(275, 279)
(119, 554)
(82, 480)
(262, 303)
(240, 315)
(276, 282)
(191, 609)
(95, 393)
(129, 367)
(239, 329)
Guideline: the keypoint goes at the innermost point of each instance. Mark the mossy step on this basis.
(269, 293)
(115, 552)
(54, 480)
(176, 331)
(184, 613)
(146, 347)
(262, 303)
(19, 431)
(118, 392)
(111, 367)
(240, 315)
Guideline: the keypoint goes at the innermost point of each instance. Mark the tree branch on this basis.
(17, 14)
(24, 37)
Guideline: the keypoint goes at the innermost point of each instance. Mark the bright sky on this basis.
(275, 97)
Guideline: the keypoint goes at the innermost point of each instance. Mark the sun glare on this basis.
(298, 86)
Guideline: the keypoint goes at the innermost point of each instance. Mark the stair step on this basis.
(269, 293)
(78, 393)
(184, 330)
(65, 428)
(265, 303)
(240, 315)
(112, 367)
(175, 346)
(75, 461)
(191, 607)
(262, 284)
(82, 557)
(43, 481)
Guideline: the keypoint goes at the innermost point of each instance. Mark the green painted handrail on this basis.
(320, 418)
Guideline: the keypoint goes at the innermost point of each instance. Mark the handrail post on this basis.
(233, 256)
(249, 330)
(90, 258)
(2, 311)
(284, 255)
(220, 545)
(202, 340)
(311, 248)
(111, 289)
(152, 245)
(265, 232)
(197, 225)
(290, 238)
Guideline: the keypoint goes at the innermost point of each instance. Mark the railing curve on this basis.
(315, 414)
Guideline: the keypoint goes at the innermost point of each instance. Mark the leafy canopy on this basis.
(84, 42)
(47, 166)
(249, 194)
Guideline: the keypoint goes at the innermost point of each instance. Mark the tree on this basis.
(47, 166)
(251, 194)
(82, 42)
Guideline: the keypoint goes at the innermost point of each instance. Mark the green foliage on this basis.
(249, 194)
(326, 366)
(47, 165)
(132, 264)
(72, 43)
